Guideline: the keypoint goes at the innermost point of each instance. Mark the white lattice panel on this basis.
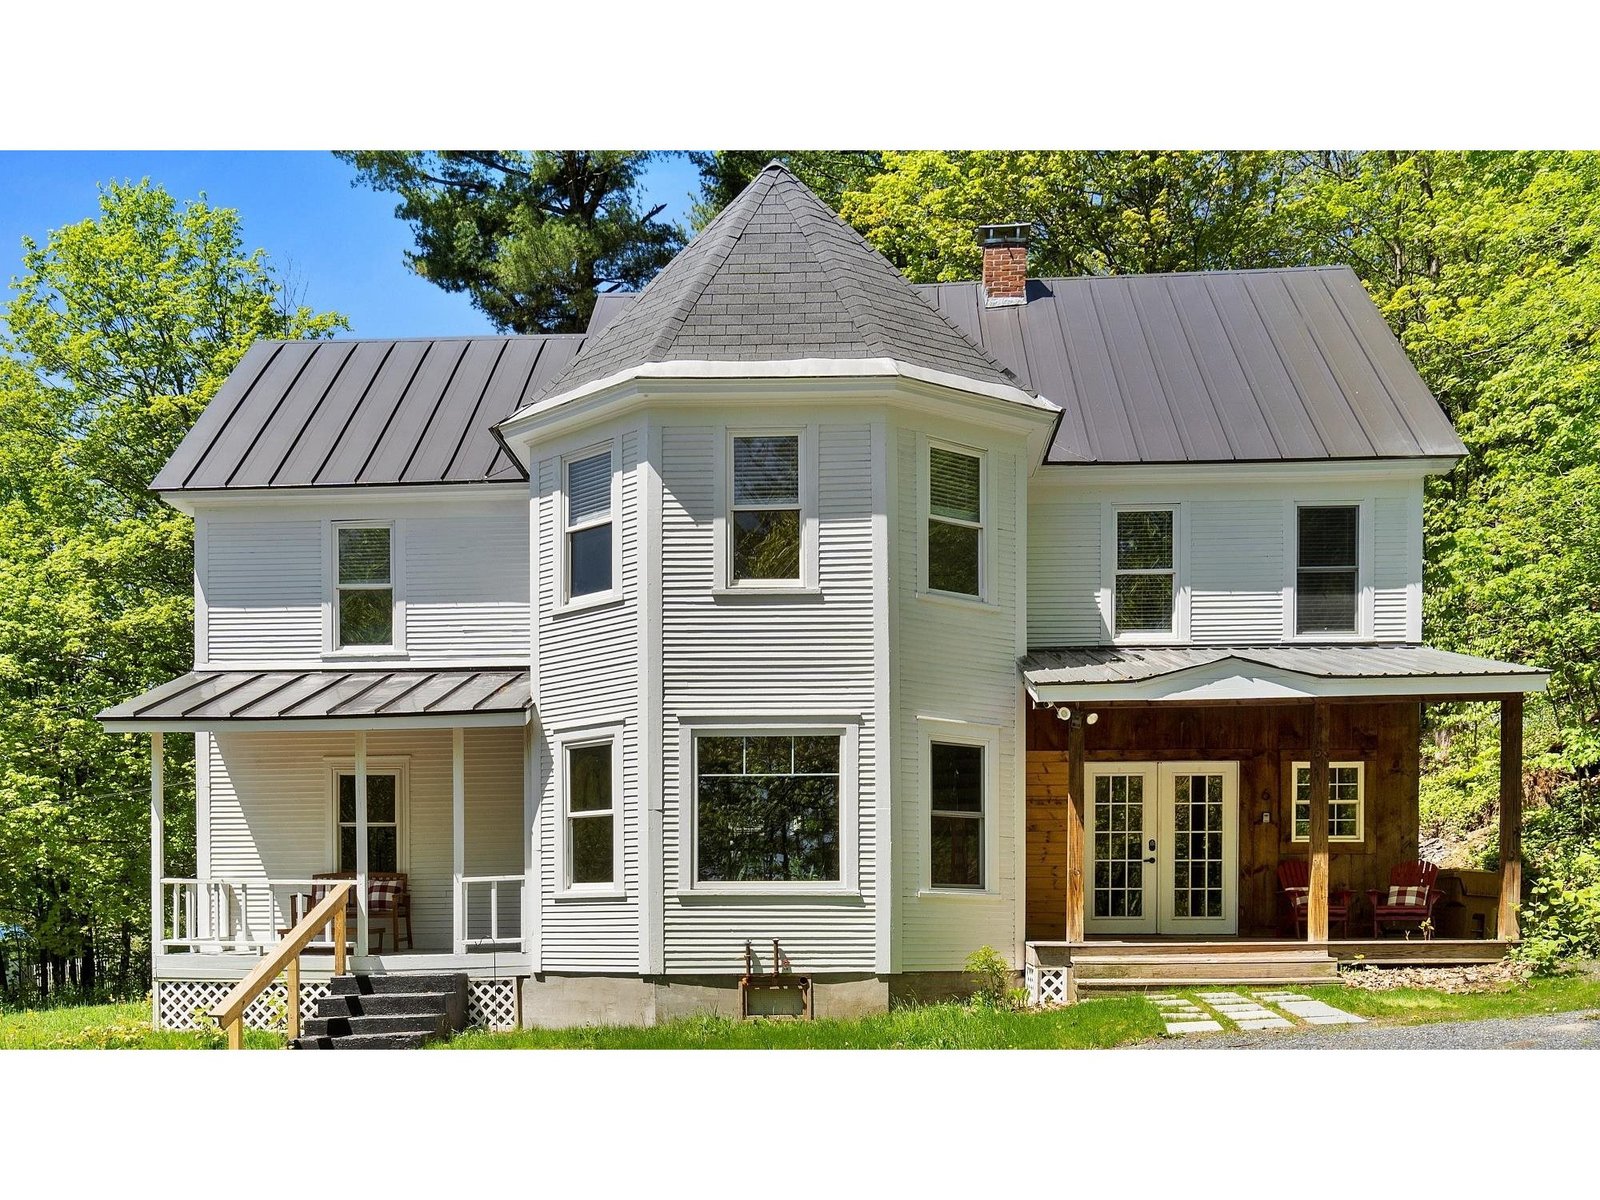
(1046, 985)
(183, 1003)
(492, 1003)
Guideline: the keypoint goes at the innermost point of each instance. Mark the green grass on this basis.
(1419, 1006)
(108, 1027)
(1094, 1024)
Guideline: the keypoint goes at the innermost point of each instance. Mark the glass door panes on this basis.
(1197, 850)
(1119, 872)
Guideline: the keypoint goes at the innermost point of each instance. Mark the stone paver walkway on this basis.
(1232, 1010)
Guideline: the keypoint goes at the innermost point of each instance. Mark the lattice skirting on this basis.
(493, 1003)
(183, 1003)
(1046, 985)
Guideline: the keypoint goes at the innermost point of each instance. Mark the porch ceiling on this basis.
(328, 699)
(1222, 673)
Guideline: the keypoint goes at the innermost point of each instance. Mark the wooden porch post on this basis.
(458, 826)
(361, 843)
(1510, 816)
(158, 834)
(1317, 899)
(1075, 782)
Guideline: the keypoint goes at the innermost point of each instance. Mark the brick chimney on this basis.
(1005, 263)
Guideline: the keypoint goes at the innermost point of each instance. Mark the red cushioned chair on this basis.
(1409, 899)
(1294, 877)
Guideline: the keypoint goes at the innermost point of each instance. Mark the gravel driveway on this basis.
(1556, 1031)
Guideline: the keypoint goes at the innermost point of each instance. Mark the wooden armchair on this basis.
(1294, 877)
(388, 903)
(1409, 899)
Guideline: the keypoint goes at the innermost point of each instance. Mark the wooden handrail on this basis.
(285, 956)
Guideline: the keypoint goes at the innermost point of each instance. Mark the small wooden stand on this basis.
(776, 980)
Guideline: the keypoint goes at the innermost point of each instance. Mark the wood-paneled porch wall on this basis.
(1264, 740)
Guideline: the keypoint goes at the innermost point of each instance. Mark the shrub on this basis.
(1561, 911)
(991, 977)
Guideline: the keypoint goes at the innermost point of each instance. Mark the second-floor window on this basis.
(764, 517)
(1327, 569)
(365, 600)
(1144, 596)
(955, 522)
(588, 525)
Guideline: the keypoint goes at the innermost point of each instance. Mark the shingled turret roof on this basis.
(777, 276)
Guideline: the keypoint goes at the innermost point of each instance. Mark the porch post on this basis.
(1317, 898)
(158, 833)
(1510, 816)
(1075, 782)
(361, 843)
(458, 826)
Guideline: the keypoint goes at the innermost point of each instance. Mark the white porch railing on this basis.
(489, 911)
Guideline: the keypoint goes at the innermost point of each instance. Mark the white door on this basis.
(1161, 848)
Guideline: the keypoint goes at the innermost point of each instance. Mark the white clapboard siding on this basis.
(768, 660)
(1063, 574)
(261, 583)
(588, 674)
(271, 804)
(1236, 570)
(1397, 559)
(467, 584)
(955, 662)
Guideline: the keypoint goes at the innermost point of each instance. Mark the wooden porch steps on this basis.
(386, 1012)
(1196, 969)
(1104, 987)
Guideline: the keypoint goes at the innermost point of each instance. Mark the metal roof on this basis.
(1216, 366)
(342, 413)
(776, 276)
(1160, 672)
(229, 699)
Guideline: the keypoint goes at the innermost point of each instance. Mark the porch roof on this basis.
(328, 699)
(1220, 673)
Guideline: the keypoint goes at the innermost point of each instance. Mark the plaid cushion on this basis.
(383, 895)
(1408, 897)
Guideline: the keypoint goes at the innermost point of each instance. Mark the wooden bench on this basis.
(388, 903)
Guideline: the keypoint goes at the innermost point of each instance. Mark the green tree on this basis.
(1095, 212)
(829, 173)
(121, 329)
(531, 236)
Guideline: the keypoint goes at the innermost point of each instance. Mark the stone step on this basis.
(385, 1004)
(378, 985)
(369, 1041)
(433, 1025)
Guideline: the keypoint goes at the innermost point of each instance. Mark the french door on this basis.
(1161, 843)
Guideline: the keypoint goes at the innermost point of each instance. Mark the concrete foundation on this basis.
(553, 1001)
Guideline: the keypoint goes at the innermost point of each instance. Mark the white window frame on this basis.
(397, 765)
(1365, 552)
(564, 600)
(962, 733)
(330, 604)
(1361, 801)
(1180, 574)
(809, 581)
(925, 450)
(570, 739)
(846, 727)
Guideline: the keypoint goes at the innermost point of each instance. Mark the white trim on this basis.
(986, 568)
(191, 501)
(808, 585)
(202, 609)
(562, 601)
(648, 508)
(478, 720)
(1366, 553)
(1300, 471)
(960, 733)
(1179, 632)
(398, 765)
(846, 727)
(886, 875)
(331, 588)
(368, 662)
(1361, 801)
(562, 741)
(458, 839)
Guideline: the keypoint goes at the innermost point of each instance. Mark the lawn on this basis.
(1421, 1006)
(108, 1027)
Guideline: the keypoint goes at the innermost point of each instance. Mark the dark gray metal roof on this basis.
(776, 276)
(1112, 665)
(203, 697)
(341, 413)
(1216, 366)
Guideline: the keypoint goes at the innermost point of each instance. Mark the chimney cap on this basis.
(1015, 233)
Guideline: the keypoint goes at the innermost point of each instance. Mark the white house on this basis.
(795, 605)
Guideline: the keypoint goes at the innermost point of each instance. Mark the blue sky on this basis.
(343, 243)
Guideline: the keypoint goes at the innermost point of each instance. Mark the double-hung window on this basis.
(955, 522)
(768, 807)
(764, 517)
(1144, 595)
(591, 814)
(383, 821)
(588, 525)
(364, 600)
(956, 841)
(1346, 787)
(1327, 586)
